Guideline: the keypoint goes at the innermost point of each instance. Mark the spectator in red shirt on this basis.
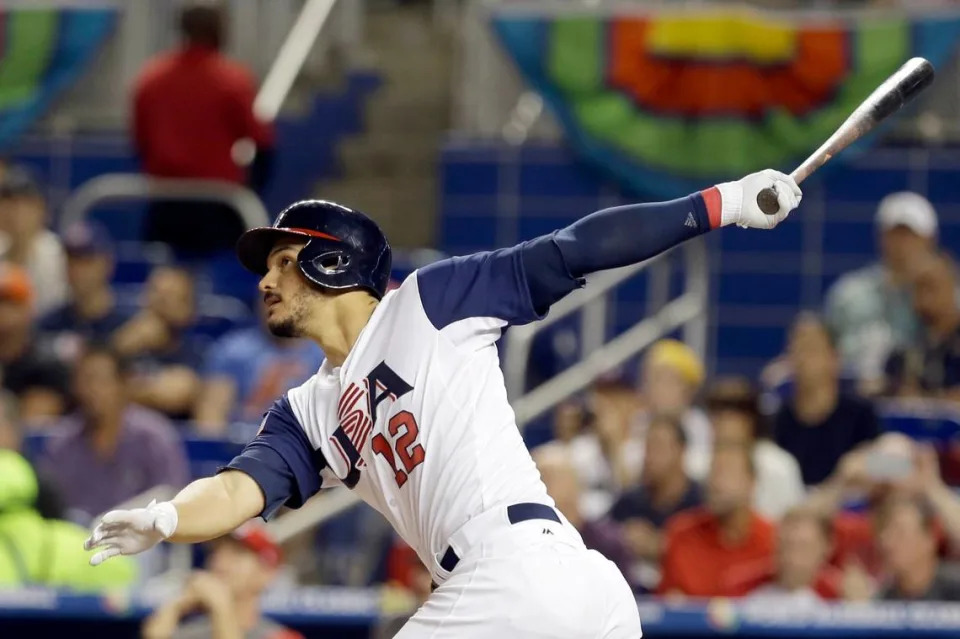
(724, 549)
(191, 107)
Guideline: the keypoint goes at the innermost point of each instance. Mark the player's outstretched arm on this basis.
(555, 264)
(206, 509)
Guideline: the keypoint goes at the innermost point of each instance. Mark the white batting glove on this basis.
(739, 199)
(128, 532)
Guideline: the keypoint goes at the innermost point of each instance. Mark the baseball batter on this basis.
(409, 410)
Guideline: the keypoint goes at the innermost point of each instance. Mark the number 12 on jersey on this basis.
(402, 426)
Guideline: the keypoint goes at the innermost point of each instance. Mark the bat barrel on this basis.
(901, 87)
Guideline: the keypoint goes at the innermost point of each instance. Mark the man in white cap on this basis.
(869, 310)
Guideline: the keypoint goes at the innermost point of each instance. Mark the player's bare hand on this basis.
(739, 199)
(129, 532)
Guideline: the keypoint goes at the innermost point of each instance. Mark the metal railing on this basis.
(119, 187)
(291, 58)
(320, 508)
(598, 356)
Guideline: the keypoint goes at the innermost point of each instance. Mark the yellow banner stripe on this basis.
(721, 37)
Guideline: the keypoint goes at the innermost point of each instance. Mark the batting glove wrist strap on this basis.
(731, 202)
(166, 518)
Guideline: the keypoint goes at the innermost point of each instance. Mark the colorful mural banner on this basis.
(42, 52)
(670, 101)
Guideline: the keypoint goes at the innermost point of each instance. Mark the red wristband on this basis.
(714, 204)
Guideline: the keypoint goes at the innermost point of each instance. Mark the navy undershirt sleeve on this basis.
(487, 284)
(555, 264)
(281, 460)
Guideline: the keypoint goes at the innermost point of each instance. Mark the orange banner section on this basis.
(694, 85)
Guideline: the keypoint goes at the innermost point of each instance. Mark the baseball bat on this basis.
(901, 87)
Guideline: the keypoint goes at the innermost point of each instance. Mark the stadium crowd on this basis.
(791, 488)
(786, 488)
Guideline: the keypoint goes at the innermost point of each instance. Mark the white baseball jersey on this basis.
(416, 421)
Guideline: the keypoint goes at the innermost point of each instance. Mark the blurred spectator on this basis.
(23, 218)
(598, 451)
(819, 422)
(724, 549)
(246, 370)
(30, 369)
(35, 551)
(109, 451)
(931, 367)
(11, 436)
(907, 533)
(891, 467)
(803, 547)
(733, 407)
(671, 378)
(557, 471)
(641, 512)
(165, 355)
(869, 309)
(92, 313)
(48, 501)
(568, 421)
(408, 586)
(239, 569)
(190, 109)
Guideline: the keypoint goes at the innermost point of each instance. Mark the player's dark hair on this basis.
(202, 23)
(738, 394)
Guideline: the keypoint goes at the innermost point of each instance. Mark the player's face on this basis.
(286, 292)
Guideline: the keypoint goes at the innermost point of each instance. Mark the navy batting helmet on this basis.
(345, 249)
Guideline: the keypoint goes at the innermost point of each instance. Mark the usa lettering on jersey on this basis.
(356, 421)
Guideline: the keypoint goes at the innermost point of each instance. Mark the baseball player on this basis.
(409, 410)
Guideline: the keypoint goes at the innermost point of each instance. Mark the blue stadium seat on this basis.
(205, 454)
(923, 420)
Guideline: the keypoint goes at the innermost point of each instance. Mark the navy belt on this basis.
(516, 514)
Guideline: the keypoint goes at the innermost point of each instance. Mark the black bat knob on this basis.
(767, 201)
